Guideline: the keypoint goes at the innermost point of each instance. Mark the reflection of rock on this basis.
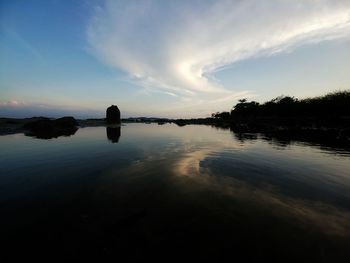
(47, 129)
(113, 115)
(113, 134)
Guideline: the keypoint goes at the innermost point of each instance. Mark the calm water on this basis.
(164, 190)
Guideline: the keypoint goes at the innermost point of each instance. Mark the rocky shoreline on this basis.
(326, 129)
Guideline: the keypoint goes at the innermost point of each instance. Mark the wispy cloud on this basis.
(22, 42)
(176, 46)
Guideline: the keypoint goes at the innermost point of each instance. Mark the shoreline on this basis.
(337, 129)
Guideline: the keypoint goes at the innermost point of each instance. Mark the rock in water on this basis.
(113, 115)
(68, 122)
(45, 128)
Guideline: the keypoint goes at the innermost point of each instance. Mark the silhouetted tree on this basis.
(221, 115)
(332, 104)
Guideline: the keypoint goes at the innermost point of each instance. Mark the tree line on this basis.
(335, 104)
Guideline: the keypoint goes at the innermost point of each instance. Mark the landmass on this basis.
(321, 118)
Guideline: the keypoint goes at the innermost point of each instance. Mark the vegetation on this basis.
(322, 118)
(226, 116)
(331, 105)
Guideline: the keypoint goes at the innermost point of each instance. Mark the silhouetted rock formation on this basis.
(65, 122)
(113, 115)
(47, 129)
(113, 134)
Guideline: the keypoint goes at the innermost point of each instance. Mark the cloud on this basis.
(22, 42)
(176, 46)
(11, 103)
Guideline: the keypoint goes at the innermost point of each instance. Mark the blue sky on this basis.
(167, 59)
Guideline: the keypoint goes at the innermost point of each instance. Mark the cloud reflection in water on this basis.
(266, 193)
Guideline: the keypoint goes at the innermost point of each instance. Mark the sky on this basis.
(175, 59)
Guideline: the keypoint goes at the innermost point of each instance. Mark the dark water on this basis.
(168, 192)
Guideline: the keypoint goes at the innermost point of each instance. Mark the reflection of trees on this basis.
(284, 138)
(242, 137)
(113, 134)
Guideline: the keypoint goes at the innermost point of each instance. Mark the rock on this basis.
(46, 128)
(66, 122)
(113, 115)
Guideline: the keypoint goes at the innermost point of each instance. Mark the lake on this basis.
(148, 190)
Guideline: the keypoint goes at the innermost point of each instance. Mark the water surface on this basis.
(151, 190)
